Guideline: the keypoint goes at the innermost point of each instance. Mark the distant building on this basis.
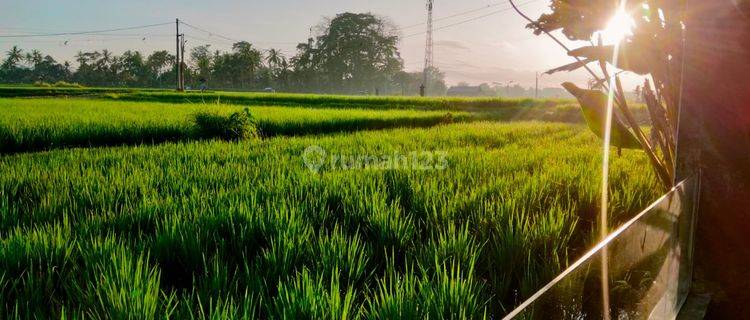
(468, 91)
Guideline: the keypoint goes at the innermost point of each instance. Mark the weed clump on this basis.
(58, 84)
(235, 126)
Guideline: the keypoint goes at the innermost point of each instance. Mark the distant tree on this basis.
(201, 60)
(134, 71)
(13, 57)
(11, 70)
(274, 58)
(49, 70)
(87, 73)
(305, 67)
(34, 57)
(160, 66)
(247, 61)
(354, 52)
(408, 82)
(404, 81)
(436, 82)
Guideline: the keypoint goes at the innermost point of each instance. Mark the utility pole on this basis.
(182, 61)
(177, 65)
(428, 56)
(536, 86)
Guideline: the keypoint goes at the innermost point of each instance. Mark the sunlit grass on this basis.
(244, 230)
(41, 124)
(287, 99)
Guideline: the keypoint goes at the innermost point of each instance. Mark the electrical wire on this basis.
(66, 41)
(468, 20)
(453, 15)
(209, 32)
(233, 40)
(83, 32)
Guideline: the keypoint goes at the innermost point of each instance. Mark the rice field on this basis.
(450, 220)
(286, 99)
(41, 124)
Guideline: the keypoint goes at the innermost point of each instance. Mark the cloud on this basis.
(450, 44)
(506, 46)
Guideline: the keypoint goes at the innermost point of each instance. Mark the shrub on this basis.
(64, 84)
(59, 84)
(236, 126)
(42, 84)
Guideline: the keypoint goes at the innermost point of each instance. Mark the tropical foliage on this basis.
(653, 49)
(351, 53)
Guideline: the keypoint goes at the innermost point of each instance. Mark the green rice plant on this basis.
(344, 257)
(286, 99)
(34, 264)
(236, 126)
(389, 227)
(451, 246)
(395, 296)
(451, 293)
(127, 288)
(289, 248)
(245, 306)
(245, 229)
(308, 297)
(42, 124)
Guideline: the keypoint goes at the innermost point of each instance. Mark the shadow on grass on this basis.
(34, 139)
(90, 136)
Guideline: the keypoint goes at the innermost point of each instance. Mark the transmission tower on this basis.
(428, 56)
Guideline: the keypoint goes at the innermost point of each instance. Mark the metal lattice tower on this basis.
(428, 56)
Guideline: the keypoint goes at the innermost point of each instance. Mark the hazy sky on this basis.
(493, 48)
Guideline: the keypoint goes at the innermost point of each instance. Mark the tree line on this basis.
(352, 53)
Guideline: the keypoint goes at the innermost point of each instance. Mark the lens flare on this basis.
(620, 26)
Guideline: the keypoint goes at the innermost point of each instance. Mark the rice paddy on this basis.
(286, 99)
(41, 124)
(191, 228)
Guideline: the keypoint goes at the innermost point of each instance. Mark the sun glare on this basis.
(620, 26)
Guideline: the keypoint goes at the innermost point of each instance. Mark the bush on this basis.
(64, 84)
(59, 84)
(42, 84)
(236, 126)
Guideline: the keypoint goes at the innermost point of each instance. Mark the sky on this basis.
(488, 45)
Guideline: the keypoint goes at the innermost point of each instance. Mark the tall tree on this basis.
(246, 61)
(358, 51)
(201, 60)
(305, 67)
(12, 58)
(160, 65)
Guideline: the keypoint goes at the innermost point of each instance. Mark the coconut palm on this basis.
(34, 57)
(13, 56)
(275, 58)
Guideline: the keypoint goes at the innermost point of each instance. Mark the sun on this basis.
(620, 26)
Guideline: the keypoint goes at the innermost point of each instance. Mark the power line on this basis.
(233, 40)
(83, 32)
(65, 41)
(210, 33)
(212, 41)
(469, 20)
(453, 15)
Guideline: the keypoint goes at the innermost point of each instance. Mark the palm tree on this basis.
(274, 58)
(277, 64)
(34, 57)
(13, 57)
